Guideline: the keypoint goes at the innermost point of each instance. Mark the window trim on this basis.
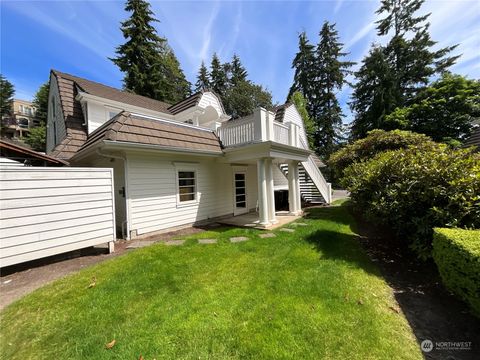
(186, 167)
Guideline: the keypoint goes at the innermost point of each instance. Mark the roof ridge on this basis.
(101, 84)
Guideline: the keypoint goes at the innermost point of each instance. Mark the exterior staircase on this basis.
(308, 190)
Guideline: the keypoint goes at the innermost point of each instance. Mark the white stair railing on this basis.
(317, 177)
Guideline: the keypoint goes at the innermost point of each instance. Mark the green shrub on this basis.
(376, 141)
(415, 189)
(457, 255)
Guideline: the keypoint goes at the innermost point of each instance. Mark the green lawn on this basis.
(309, 295)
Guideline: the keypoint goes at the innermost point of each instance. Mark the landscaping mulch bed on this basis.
(432, 312)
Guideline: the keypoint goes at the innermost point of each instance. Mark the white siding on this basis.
(153, 192)
(97, 115)
(209, 99)
(5, 162)
(292, 115)
(47, 211)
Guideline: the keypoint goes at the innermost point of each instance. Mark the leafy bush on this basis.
(415, 189)
(457, 255)
(376, 142)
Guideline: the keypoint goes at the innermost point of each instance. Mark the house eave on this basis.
(265, 149)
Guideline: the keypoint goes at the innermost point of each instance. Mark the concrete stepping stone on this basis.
(267, 235)
(238, 239)
(287, 230)
(207, 241)
(174, 242)
(299, 224)
(139, 244)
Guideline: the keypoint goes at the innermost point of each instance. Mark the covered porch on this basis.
(266, 156)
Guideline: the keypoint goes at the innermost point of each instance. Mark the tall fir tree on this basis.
(218, 76)
(237, 71)
(6, 97)
(330, 77)
(303, 63)
(40, 101)
(409, 58)
(150, 66)
(203, 78)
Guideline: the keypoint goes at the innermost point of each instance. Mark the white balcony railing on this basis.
(261, 126)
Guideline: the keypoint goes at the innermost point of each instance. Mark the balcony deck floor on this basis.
(251, 220)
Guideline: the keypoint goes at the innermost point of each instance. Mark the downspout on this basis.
(125, 223)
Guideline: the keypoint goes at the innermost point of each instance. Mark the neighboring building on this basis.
(473, 139)
(177, 165)
(12, 154)
(22, 119)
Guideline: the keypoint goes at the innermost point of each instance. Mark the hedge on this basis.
(457, 255)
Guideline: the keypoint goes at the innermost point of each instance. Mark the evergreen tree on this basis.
(6, 96)
(218, 76)
(444, 111)
(40, 101)
(237, 71)
(243, 98)
(203, 78)
(408, 58)
(373, 94)
(150, 66)
(175, 83)
(303, 63)
(331, 74)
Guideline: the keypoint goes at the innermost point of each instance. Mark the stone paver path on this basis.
(174, 242)
(140, 243)
(299, 224)
(238, 239)
(267, 235)
(207, 241)
(287, 230)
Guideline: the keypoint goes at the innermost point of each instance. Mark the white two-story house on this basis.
(181, 164)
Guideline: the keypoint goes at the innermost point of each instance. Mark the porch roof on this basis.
(131, 129)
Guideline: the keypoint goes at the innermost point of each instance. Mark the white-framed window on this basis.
(186, 177)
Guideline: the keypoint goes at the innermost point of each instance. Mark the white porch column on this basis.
(294, 204)
(262, 193)
(298, 198)
(270, 191)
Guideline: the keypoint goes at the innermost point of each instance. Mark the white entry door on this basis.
(240, 193)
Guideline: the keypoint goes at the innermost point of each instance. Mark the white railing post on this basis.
(260, 121)
(293, 134)
(270, 132)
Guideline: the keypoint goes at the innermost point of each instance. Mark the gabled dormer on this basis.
(203, 109)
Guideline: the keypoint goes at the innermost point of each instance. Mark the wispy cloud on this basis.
(360, 35)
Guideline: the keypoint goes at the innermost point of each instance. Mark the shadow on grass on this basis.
(340, 246)
(432, 312)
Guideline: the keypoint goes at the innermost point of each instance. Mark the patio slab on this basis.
(251, 220)
(287, 230)
(207, 241)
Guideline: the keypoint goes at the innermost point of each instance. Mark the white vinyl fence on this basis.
(47, 211)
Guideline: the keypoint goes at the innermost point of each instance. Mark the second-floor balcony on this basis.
(259, 127)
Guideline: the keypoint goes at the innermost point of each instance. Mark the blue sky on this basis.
(78, 36)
